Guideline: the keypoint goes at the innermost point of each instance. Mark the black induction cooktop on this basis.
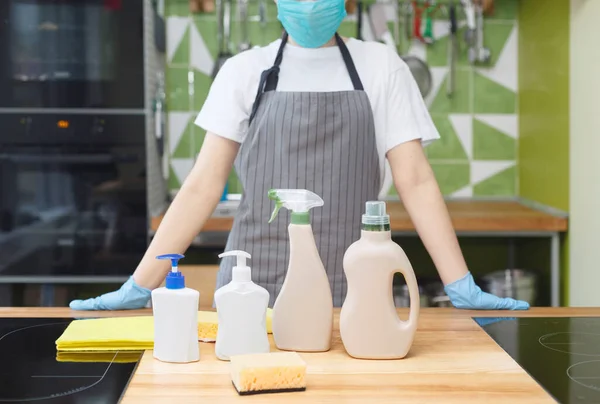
(561, 354)
(32, 371)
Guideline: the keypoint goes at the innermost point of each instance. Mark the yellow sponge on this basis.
(208, 323)
(273, 372)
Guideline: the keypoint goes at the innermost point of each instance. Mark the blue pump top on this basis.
(175, 279)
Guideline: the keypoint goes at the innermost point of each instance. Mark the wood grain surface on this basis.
(467, 216)
(452, 360)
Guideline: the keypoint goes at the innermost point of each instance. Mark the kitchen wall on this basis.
(584, 184)
(543, 100)
(477, 153)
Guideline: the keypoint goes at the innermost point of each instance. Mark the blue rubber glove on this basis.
(129, 296)
(465, 294)
(484, 321)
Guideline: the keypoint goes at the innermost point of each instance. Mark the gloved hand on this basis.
(129, 296)
(465, 294)
(484, 321)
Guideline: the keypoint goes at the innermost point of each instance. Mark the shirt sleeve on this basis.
(225, 111)
(407, 114)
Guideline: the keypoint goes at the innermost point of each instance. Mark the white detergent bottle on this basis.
(369, 324)
(175, 309)
(303, 311)
(242, 313)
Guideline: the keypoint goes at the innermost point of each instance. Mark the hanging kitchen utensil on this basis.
(223, 11)
(159, 29)
(359, 16)
(160, 119)
(262, 16)
(483, 54)
(377, 18)
(408, 15)
(420, 71)
(396, 22)
(244, 43)
(428, 11)
(471, 31)
(452, 49)
(417, 19)
(350, 6)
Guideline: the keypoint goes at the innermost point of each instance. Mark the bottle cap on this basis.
(174, 279)
(241, 272)
(375, 214)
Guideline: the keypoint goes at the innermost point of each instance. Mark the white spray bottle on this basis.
(175, 309)
(242, 312)
(303, 310)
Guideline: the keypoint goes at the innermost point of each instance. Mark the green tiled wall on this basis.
(478, 125)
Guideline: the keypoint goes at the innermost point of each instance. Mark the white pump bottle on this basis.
(175, 309)
(242, 313)
(303, 310)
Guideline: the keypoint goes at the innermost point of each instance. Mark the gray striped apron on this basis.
(320, 141)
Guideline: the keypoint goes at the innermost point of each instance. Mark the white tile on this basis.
(182, 168)
(200, 57)
(466, 192)
(482, 170)
(176, 28)
(505, 123)
(178, 121)
(505, 71)
(438, 74)
(463, 126)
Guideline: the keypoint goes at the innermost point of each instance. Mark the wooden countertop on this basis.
(452, 360)
(467, 216)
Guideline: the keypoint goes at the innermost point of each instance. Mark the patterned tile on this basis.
(437, 53)
(182, 52)
(501, 184)
(178, 97)
(451, 176)
(449, 146)
(493, 98)
(476, 153)
(202, 84)
(460, 102)
(184, 147)
(491, 144)
(198, 139)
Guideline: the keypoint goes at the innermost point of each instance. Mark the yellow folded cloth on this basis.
(108, 357)
(128, 333)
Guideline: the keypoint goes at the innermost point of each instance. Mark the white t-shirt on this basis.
(399, 111)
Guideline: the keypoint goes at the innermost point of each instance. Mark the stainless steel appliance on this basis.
(78, 54)
(516, 283)
(73, 197)
(75, 120)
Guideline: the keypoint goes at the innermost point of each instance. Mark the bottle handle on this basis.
(415, 298)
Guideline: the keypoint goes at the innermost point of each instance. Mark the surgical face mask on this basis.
(311, 23)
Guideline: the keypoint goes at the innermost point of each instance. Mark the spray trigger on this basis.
(278, 204)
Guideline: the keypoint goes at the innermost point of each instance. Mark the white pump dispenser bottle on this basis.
(175, 309)
(242, 313)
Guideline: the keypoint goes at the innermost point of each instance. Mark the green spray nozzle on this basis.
(298, 201)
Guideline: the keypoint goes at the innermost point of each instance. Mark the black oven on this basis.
(72, 196)
(84, 54)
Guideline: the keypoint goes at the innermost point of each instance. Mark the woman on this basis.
(342, 118)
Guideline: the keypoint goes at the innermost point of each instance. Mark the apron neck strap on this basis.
(270, 77)
(349, 63)
(273, 75)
